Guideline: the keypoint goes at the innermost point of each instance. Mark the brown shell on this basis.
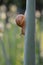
(20, 20)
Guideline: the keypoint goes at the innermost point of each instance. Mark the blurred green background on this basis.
(11, 40)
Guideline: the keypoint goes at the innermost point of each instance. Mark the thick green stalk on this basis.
(29, 48)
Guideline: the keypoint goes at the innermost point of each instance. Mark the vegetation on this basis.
(11, 40)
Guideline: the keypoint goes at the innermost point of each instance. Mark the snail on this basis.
(20, 21)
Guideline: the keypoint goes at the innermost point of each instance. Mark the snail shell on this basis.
(20, 20)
